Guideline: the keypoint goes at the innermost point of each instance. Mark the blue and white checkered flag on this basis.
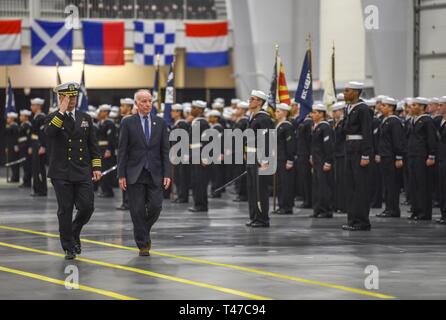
(152, 38)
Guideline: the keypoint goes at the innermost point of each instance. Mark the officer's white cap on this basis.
(442, 99)
(113, 115)
(12, 115)
(68, 88)
(259, 94)
(370, 102)
(104, 107)
(400, 106)
(214, 113)
(199, 104)
(217, 105)
(243, 105)
(355, 85)
(434, 100)
(235, 101)
(340, 97)
(38, 101)
(25, 112)
(283, 106)
(421, 100)
(91, 108)
(319, 107)
(338, 106)
(389, 100)
(177, 106)
(127, 101)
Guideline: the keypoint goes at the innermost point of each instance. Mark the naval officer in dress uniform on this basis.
(74, 159)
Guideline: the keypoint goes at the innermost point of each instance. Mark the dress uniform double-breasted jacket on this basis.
(73, 150)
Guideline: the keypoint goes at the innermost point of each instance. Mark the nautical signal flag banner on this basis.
(103, 43)
(10, 42)
(207, 44)
(51, 43)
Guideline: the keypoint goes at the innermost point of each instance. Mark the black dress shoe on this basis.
(180, 201)
(194, 209)
(284, 212)
(325, 215)
(70, 255)
(122, 207)
(38, 194)
(105, 195)
(305, 206)
(441, 221)
(240, 199)
(421, 218)
(249, 223)
(78, 248)
(275, 211)
(388, 214)
(356, 228)
(214, 196)
(258, 224)
(144, 252)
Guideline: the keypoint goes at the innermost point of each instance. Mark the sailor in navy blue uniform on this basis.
(339, 197)
(442, 161)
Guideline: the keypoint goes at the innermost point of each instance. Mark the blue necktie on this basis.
(146, 129)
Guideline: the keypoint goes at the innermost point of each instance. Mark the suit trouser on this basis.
(145, 203)
(125, 198)
(70, 194)
(442, 187)
(257, 192)
(391, 184)
(357, 191)
(15, 169)
(200, 183)
(39, 173)
(285, 186)
(304, 178)
(322, 189)
(217, 176)
(181, 181)
(421, 177)
(240, 184)
(376, 182)
(339, 189)
(27, 170)
(108, 181)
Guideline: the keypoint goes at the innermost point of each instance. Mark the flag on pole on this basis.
(82, 99)
(156, 96)
(272, 97)
(329, 85)
(10, 101)
(304, 92)
(10, 42)
(278, 92)
(59, 81)
(169, 97)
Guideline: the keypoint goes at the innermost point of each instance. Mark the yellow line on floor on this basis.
(223, 265)
(144, 272)
(65, 284)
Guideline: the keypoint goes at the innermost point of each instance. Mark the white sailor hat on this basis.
(400, 106)
(92, 114)
(199, 104)
(104, 107)
(354, 85)
(177, 107)
(319, 107)
(434, 100)
(283, 106)
(187, 109)
(217, 105)
(213, 113)
(340, 97)
(243, 105)
(68, 88)
(113, 114)
(442, 99)
(127, 101)
(408, 100)
(380, 98)
(25, 112)
(220, 100)
(115, 109)
(228, 112)
(389, 100)
(235, 101)
(259, 94)
(370, 102)
(12, 115)
(91, 108)
(186, 104)
(421, 100)
(338, 106)
(38, 101)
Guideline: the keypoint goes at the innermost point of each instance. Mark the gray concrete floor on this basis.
(306, 258)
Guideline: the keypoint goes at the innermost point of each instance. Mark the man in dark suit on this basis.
(74, 159)
(144, 167)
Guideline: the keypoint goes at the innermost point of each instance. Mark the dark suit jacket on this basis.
(133, 149)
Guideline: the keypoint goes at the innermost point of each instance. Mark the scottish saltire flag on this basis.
(51, 43)
(59, 81)
(152, 38)
(304, 92)
(10, 42)
(169, 97)
(156, 93)
(10, 101)
(82, 99)
(207, 44)
(103, 43)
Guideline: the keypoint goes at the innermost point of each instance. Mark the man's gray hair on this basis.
(141, 91)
